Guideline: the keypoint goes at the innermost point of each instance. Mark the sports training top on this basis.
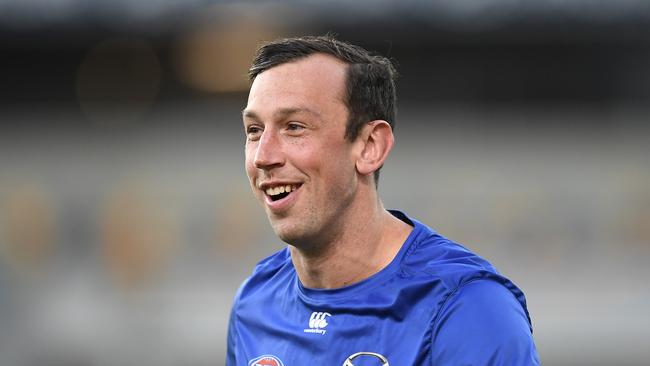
(436, 303)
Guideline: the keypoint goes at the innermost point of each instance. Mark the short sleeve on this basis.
(482, 323)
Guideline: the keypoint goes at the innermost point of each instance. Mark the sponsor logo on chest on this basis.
(379, 359)
(318, 322)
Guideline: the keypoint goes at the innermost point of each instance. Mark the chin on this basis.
(287, 235)
(288, 232)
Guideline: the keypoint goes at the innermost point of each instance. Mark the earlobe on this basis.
(377, 139)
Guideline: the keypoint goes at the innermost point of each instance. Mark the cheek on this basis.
(336, 166)
(304, 156)
(249, 166)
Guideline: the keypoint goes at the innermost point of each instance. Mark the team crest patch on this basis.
(266, 360)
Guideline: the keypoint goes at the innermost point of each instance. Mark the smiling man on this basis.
(357, 284)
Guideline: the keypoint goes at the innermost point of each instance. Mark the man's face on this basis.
(295, 124)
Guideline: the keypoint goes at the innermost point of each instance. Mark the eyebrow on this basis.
(282, 112)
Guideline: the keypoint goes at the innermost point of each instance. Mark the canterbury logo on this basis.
(317, 321)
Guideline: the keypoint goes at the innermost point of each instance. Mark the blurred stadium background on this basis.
(126, 223)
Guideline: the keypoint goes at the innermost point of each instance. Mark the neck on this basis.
(365, 242)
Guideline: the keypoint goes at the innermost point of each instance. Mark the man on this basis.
(357, 285)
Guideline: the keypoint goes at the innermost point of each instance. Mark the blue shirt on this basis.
(436, 303)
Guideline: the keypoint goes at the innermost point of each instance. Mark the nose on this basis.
(269, 151)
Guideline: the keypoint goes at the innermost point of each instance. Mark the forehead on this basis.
(316, 82)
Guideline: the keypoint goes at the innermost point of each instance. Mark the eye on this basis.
(253, 132)
(294, 126)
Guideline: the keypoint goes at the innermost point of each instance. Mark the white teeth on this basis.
(274, 191)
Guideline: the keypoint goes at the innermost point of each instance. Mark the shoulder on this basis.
(480, 316)
(451, 266)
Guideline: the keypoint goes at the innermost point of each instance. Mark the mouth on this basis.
(279, 192)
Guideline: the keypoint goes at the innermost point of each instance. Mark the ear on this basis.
(376, 140)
